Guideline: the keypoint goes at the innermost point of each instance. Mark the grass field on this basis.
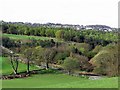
(60, 81)
(25, 37)
(7, 69)
(53, 80)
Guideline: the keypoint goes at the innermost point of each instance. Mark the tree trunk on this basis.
(28, 66)
(47, 66)
(69, 72)
(13, 67)
(16, 66)
(11, 60)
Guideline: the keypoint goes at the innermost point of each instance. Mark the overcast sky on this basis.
(81, 12)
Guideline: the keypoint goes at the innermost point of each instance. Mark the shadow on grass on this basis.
(33, 72)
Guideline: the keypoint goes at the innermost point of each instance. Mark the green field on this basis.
(53, 80)
(25, 37)
(60, 81)
(7, 69)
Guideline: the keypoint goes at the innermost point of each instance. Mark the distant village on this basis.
(75, 27)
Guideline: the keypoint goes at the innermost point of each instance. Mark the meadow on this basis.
(7, 68)
(59, 81)
(26, 37)
(53, 80)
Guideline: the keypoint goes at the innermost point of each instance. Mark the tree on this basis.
(14, 62)
(70, 64)
(48, 56)
(84, 64)
(43, 31)
(61, 55)
(12, 29)
(38, 55)
(28, 54)
(47, 43)
(7, 42)
(50, 33)
(82, 48)
(59, 34)
(4, 28)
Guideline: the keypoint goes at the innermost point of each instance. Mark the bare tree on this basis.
(28, 54)
(14, 62)
(48, 56)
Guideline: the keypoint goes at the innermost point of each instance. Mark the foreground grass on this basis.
(60, 81)
(53, 80)
(7, 69)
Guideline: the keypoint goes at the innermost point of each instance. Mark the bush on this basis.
(82, 48)
(90, 54)
(84, 64)
(61, 55)
(47, 43)
(70, 64)
(8, 43)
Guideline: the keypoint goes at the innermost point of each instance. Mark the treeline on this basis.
(65, 56)
(12, 43)
(45, 57)
(73, 57)
(68, 34)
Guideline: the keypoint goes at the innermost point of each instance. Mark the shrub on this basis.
(61, 55)
(83, 48)
(70, 64)
(90, 54)
(84, 64)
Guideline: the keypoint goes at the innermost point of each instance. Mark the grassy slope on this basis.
(7, 69)
(25, 37)
(60, 81)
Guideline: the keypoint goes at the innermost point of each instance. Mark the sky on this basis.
(82, 12)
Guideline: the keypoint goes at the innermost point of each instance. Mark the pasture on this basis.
(60, 81)
(26, 37)
(7, 69)
(53, 80)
